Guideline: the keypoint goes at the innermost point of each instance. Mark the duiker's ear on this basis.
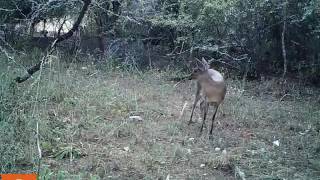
(204, 61)
(198, 62)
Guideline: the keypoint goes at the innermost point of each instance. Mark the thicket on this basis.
(253, 37)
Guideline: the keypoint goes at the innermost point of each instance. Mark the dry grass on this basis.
(86, 132)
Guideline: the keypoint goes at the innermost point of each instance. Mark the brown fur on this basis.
(211, 89)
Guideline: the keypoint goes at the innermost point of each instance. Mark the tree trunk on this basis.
(284, 52)
(100, 33)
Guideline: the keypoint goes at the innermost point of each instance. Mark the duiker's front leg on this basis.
(197, 98)
(204, 106)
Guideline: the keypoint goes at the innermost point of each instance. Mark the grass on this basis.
(86, 133)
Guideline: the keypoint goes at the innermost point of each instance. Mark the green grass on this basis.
(83, 112)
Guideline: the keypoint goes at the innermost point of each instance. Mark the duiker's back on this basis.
(213, 85)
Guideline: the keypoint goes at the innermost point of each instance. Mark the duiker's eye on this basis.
(196, 70)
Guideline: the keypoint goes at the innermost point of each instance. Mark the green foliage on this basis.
(246, 30)
(16, 122)
(248, 27)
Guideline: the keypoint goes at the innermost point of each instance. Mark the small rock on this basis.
(277, 143)
(189, 151)
(217, 149)
(136, 118)
(126, 149)
(202, 165)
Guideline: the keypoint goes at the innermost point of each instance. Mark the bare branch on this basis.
(63, 37)
(223, 62)
(61, 26)
(7, 10)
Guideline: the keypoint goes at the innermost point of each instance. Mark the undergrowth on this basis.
(83, 112)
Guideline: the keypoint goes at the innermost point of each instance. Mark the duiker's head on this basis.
(201, 68)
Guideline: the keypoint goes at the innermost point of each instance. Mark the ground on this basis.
(86, 133)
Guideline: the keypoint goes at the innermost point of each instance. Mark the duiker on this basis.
(211, 90)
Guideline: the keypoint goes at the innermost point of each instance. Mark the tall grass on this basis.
(85, 132)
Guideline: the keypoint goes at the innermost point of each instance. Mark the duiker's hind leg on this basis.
(197, 98)
(204, 111)
(216, 106)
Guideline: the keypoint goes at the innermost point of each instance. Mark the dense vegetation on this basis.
(264, 37)
(95, 63)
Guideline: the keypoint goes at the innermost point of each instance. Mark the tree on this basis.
(60, 38)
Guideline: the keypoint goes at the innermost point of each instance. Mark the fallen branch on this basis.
(63, 37)
(39, 148)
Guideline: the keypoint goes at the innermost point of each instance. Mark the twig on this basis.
(39, 148)
(7, 10)
(183, 109)
(231, 57)
(223, 62)
(284, 97)
(176, 54)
